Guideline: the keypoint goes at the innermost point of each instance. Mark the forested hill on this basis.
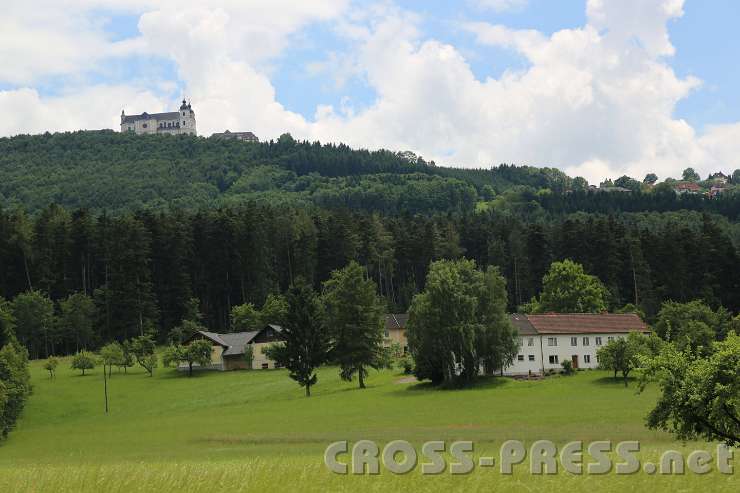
(122, 172)
(115, 172)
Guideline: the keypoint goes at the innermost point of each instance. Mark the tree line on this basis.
(79, 279)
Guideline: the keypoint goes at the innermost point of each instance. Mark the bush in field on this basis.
(197, 352)
(568, 367)
(142, 349)
(51, 366)
(112, 355)
(83, 361)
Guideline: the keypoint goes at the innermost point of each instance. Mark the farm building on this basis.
(228, 350)
(395, 330)
(546, 340)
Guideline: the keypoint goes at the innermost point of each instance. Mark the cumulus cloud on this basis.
(501, 5)
(596, 101)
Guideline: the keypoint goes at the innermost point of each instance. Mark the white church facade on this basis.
(172, 123)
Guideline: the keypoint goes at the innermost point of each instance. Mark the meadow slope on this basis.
(246, 431)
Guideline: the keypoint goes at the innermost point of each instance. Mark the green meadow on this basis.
(249, 431)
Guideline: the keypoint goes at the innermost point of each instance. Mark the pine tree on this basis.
(355, 316)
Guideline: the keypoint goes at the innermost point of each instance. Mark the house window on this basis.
(553, 359)
(520, 357)
(598, 341)
(587, 358)
(609, 339)
(265, 366)
(586, 341)
(597, 358)
(531, 357)
(552, 341)
(530, 341)
(573, 341)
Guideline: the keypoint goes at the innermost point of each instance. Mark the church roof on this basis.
(172, 115)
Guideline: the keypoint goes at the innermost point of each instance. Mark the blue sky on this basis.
(595, 87)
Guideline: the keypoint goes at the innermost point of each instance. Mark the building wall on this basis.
(236, 362)
(260, 358)
(562, 350)
(395, 335)
(216, 352)
(151, 125)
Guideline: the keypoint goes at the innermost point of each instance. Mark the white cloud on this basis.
(596, 101)
(501, 5)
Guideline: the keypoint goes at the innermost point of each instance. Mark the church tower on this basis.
(187, 118)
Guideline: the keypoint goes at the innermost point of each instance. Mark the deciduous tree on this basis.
(699, 396)
(83, 361)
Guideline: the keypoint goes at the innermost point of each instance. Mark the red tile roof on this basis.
(587, 323)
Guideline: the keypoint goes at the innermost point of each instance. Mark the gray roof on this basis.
(172, 115)
(396, 320)
(235, 343)
(522, 324)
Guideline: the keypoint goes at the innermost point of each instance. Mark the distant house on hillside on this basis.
(719, 177)
(243, 136)
(228, 350)
(687, 187)
(609, 189)
(546, 340)
(716, 190)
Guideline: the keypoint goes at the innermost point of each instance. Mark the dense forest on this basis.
(130, 229)
(141, 269)
(115, 172)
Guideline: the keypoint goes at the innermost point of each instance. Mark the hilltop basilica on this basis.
(175, 122)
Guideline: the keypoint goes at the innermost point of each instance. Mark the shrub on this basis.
(51, 366)
(568, 367)
(83, 361)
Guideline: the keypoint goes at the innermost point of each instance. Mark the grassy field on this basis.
(248, 431)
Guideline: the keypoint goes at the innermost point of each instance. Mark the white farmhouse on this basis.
(549, 339)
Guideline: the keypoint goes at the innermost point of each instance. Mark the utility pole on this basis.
(105, 386)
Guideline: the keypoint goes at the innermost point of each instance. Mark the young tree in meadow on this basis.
(624, 354)
(142, 348)
(83, 361)
(699, 396)
(112, 355)
(355, 316)
(307, 340)
(76, 320)
(128, 360)
(566, 288)
(196, 353)
(50, 365)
